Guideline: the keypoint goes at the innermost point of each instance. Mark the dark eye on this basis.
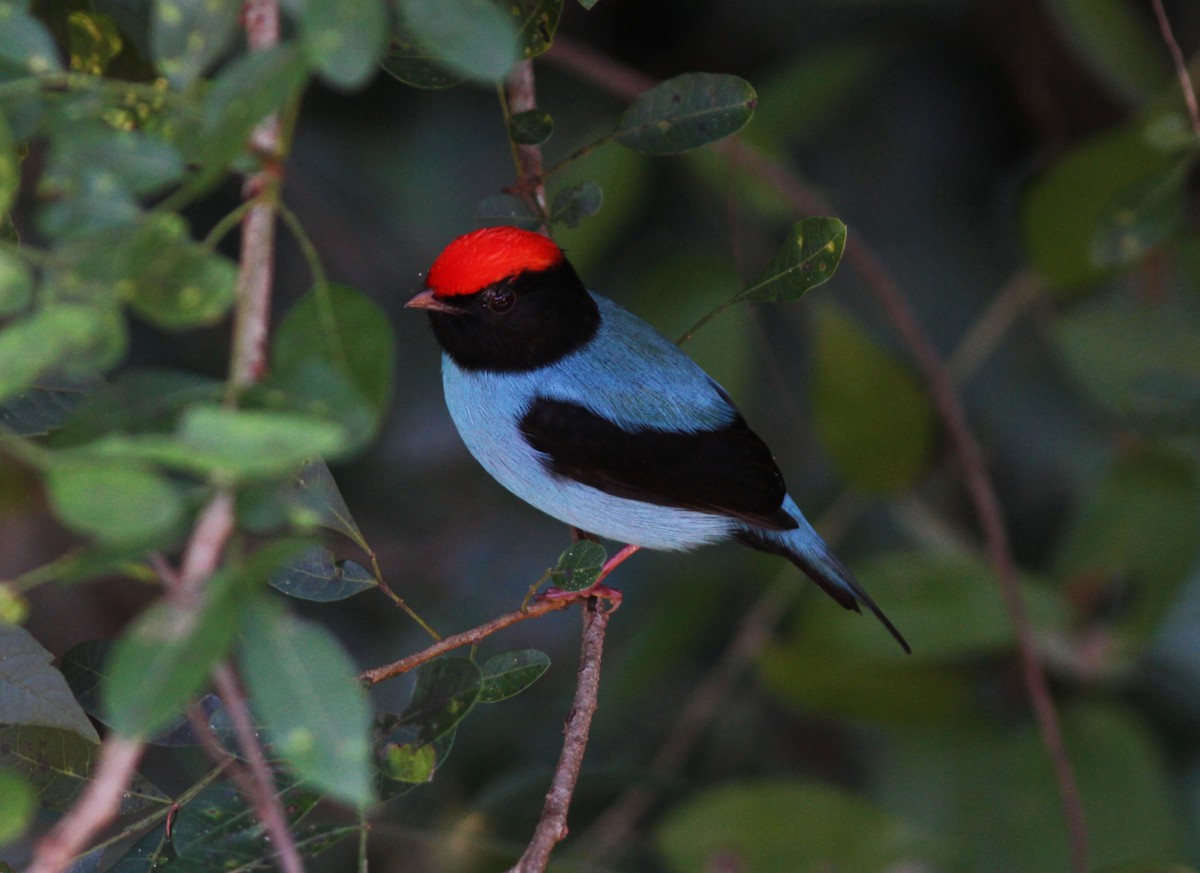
(499, 300)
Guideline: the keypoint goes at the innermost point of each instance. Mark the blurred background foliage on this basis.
(1026, 171)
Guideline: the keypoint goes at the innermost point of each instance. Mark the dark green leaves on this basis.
(304, 687)
(186, 38)
(579, 565)
(1141, 216)
(809, 258)
(445, 692)
(530, 128)
(508, 674)
(872, 416)
(315, 575)
(31, 691)
(475, 38)
(686, 112)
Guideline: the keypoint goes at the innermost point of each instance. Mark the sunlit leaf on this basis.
(510, 673)
(872, 415)
(685, 112)
(32, 692)
(410, 762)
(305, 688)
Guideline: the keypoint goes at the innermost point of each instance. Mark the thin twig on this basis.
(99, 804)
(1181, 70)
(614, 829)
(520, 95)
(467, 638)
(611, 75)
(552, 826)
(264, 794)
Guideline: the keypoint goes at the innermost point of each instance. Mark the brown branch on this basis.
(604, 73)
(466, 638)
(264, 794)
(1181, 70)
(520, 94)
(552, 826)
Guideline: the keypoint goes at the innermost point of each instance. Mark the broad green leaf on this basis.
(414, 63)
(871, 414)
(255, 443)
(809, 258)
(787, 827)
(1136, 536)
(1140, 217)
(17, 805)
(344, 40)
(1118, 45)
(476, 38)
(315, 575)
(45, 406)
(304, 686)
(510, 673)
(16, 282)
(218, 830)
(446, 690)
(55, 337)
(26, 46)
(1063, 207)
(163, 660)
(31, 691)
(244, 93)
(579, 565)
(532, 127)
(572, 205)
(507, 209)
(114, 502)
(686, 112)
(137, 401)
(188, 37)
(58, 764)
(336, 351)
(1116, 346)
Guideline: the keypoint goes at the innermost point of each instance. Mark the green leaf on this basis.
(16, 806)
(55, 337)
(187, 38)
(572, 205)
(414, 63)
(532, 127)
(31, 691)
(686, 112)
(410, 762)
(58, 764)
(16, 281)
(317, 492)
(579, 565)
(315, 575)
(344, 40)
(114, 502)
(510, 673)
(784, 827)
(26, 46)
(537, 22)
(335, 349)
(809, 258)
(305, 688)
(164, 658)
(1141, 217)
(507, 209)
(873, 417)
(1136, 536)
(10, 183)
(43, 407)
(475, 38)
(137, 401)
(446, 690)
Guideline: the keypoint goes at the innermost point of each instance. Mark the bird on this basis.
(588, 413)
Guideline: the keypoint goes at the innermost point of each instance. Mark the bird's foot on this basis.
(597, 589)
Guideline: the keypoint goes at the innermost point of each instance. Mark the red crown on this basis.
(483, 257)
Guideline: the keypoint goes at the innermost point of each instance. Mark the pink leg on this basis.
(613, 562)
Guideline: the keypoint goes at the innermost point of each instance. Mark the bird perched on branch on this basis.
(588, 413)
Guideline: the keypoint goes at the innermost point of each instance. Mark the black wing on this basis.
(728, 471)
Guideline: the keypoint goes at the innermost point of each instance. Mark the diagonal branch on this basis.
(616, 78)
